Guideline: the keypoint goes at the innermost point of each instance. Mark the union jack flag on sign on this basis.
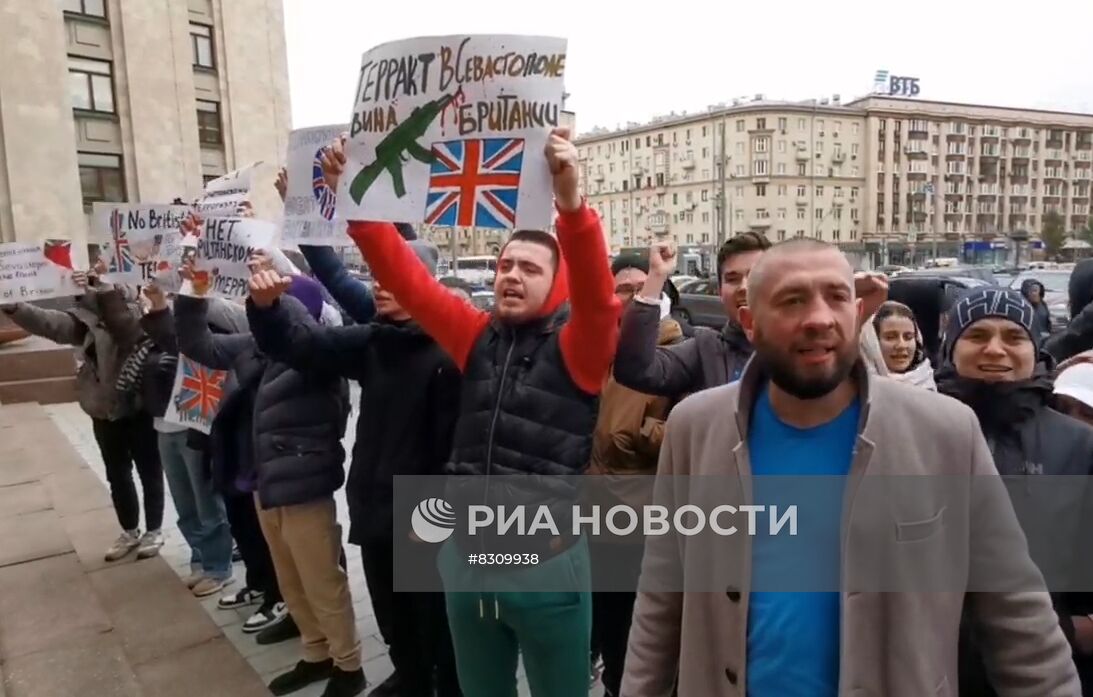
(200, 392)
(475, 182)
(324, 195)
(121, 261)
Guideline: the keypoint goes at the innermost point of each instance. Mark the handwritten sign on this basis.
(309, 203)
(36, 271)
(450, 131)
(224, 196)
(196, 396)
(138, 243)
(221, 253)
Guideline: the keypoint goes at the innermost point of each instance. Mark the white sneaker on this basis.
(243, 598)
(150, 544)
(126, 543)
(265, 616)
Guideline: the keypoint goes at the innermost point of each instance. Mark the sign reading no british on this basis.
(450, 131)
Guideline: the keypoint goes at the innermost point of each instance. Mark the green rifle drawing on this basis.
(392, 150)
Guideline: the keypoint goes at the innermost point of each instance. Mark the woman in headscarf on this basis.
(901, 345)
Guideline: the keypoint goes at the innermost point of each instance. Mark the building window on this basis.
(90, 85)
(705, 219)
(781, 189)
(760, 124)
(703, 132)
(91, 8)
(800, 124)
(760, 189)
(838, 192)
(800, 233)
(206, 178)
(705, 153)
(781, 214)
(762, 144)
(739, 148)
(761, 169)
(201, 35)
(781, 146)
(782, 124)
(675, 199)
(209, 129)
(854, 214)
(705, 194)
(819, 191)
(740, 170)
(101, 178)
(781, 168)
(740, 125)
(801, 191)
(801, 171)
(801, 214)
(854, 128)
(819, 214)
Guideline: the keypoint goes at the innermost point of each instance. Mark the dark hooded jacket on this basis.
(1041, 319)
(1078, 336)
(278, 431)
(409, 402)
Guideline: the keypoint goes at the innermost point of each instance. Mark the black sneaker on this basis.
(388, 688)
(301, 676)
(266, 616)
(244, 597)
(237, 556)
(282, 630)
(343, 684)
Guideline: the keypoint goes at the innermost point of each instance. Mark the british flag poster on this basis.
(475, 183)
(196, 396)
(451, 131)
(137, 243)
(310, 201)
(36, 271)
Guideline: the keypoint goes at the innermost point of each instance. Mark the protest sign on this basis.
(223, 196)
(220, 256)
(309, 202)
(450, 131)
(36, 271)
(137, 243)
(196, 396)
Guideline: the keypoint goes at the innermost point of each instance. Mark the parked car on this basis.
(700, 304)
(982, 273)
(680, 279)
(1056, 284)
(483, 299)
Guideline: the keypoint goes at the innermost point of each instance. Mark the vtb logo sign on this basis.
(903, 86)
(433, 520)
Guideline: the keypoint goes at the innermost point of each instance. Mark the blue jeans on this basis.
(202, 518)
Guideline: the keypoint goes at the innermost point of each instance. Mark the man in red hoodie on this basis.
(532, 370)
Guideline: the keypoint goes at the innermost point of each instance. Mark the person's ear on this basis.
(747, 322)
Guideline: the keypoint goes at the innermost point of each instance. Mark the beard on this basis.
(777, 363)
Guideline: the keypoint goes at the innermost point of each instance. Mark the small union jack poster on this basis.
(475, 183)
(196, 396)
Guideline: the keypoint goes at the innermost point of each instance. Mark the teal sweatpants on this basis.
(551, 630)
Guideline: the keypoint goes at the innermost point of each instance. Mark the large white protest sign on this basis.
(309, 201)
(138, 243)
(220, 260)
(196, 396)
(450, 131)
(224, 196)
(36, 271)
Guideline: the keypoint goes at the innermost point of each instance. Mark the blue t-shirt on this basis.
(793, 637)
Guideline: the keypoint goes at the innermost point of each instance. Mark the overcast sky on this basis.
(626, 64)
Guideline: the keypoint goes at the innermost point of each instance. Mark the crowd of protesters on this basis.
(581, 368)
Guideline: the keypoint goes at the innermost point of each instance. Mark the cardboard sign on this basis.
(36, 271)
(450, 131)
(221, 253)
(224, 196)
(196, 396)
(138, 243)
(310, 216)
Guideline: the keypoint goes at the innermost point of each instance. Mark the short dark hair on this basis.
(538, 237)
(744, 242)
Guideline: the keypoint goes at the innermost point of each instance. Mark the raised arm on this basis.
(454, 323)
(352, 295)
(641, 365)
(197, 342)
(297, 340)
(1077, 337)
(54, 325)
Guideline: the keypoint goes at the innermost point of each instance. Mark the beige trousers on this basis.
(305, 542)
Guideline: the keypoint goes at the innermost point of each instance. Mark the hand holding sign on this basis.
(333, 161)
(561, 156)
(281, 184)
(267, 286)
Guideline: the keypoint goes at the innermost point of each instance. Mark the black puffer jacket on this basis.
(1029, 439)
(1078, 336)
(298, 419)
(521, 414)
(409, 402)
(709, 359)
(1041, 318)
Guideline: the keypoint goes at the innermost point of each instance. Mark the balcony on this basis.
(1080, 192)
(989, 132)
(598, 177)
(1022, 134)
(1020, 154)
(760, 223)
(956, 152)
(988, 153)
(1053, 155)
(802, 155)
(1083, 155)
(1019, 192)
(917, 174)
(687, 163)
(1052, 173)
(1053, 193)
(918, 126)
(638, 168)
(839, 157)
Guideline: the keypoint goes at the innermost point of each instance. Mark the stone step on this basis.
(42, 391)
(35, 358)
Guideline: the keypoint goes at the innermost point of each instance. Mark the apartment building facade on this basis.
(115, 100)
(889, 180)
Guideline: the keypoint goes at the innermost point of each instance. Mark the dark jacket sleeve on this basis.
(55, 325)
(1077, 337)
(197, 342)
(641, 365)
(120, 320)
(444, 405)
(306, 346)
(352, 295)
(160, 326)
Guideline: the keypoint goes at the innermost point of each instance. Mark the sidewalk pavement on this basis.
(267, 661)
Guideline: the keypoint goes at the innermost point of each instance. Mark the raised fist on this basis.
(561, 156)
(267, 286)
(663, 259)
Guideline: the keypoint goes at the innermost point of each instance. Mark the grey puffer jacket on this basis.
(709, 359)
(104, 327)
(294, 421)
